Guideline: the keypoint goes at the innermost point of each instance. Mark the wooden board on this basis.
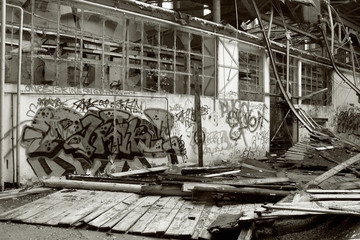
(146, 219)
(126, 223)
(318, 197)
(126, 212)
(139, 171)
(90, 206)
(214, 212)
(21, 192)
(106, 205)
(179, 219)
(69, 200)
(34, 207)
(189, 225)
(106, 219)
(163, 218)
(202, 220)
(326, 175)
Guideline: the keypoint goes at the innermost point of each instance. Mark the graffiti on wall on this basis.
(62, 140)
(242, 117)
(348, 121)
(213, 141)
(258, 143)
(187, 116)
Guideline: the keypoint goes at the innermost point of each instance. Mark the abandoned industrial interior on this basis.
(202, 119)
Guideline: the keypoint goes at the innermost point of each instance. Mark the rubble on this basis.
(237, 200)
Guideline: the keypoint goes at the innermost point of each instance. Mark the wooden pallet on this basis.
(162, 216)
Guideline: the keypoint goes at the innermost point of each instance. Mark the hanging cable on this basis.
(272, 60)
(271, 19)
(341, 75)
(352, 50)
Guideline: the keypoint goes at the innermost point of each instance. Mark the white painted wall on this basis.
(233, 129)
(344, 101)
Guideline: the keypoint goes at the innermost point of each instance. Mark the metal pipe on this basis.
(272, 60)
(340, 74)
(331, 29)
(271, 20)
(18, 94)
(287, 62)
(2, 83)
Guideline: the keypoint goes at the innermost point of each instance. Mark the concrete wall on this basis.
(343, 114)
(70, 130)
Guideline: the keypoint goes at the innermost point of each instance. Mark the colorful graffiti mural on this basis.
(61, 140)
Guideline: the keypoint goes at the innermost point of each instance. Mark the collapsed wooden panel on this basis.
(168, 216)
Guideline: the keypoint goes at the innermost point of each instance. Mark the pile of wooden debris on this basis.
(261, 198)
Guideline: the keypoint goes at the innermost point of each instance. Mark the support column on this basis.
(216, 11)
(2, 83)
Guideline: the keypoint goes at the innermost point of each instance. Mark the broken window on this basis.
(82, 47)
(292, 84)
(315, 84)
(251, 83)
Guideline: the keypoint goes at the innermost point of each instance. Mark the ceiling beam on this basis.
(294, 29)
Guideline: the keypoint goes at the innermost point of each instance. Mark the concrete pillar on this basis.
(2, 83)
(217, 11)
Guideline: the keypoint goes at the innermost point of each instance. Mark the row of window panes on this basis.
(314, 79)
(90, 50)
(251, 86)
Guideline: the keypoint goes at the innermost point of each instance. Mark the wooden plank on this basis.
(328, 157)
(73, 206)
(198, 113)
(223, 173)
(179, 219)
(146, 219)
(299, 147)
(248, 211)
(341, 205)
(78, 209)
(110, 217)
(202, 220)
(101, 186)
(323, 177)
(313, 210)
(214, 212)
(246, 232)
(67, 202)
(126, 223)
(243, 191)
(292, 158)
(319, 197)
(189, 186)
(189, 225)
(139, 171)
(320, 191)
(290, 153)
(106, 205)
(255, 181)
(45, 206)
(196, 170)
(246, 165)
(22, 193)
(163, 218)
(39, 204)
(89, 206)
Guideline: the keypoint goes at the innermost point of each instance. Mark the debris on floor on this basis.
(281, 194)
